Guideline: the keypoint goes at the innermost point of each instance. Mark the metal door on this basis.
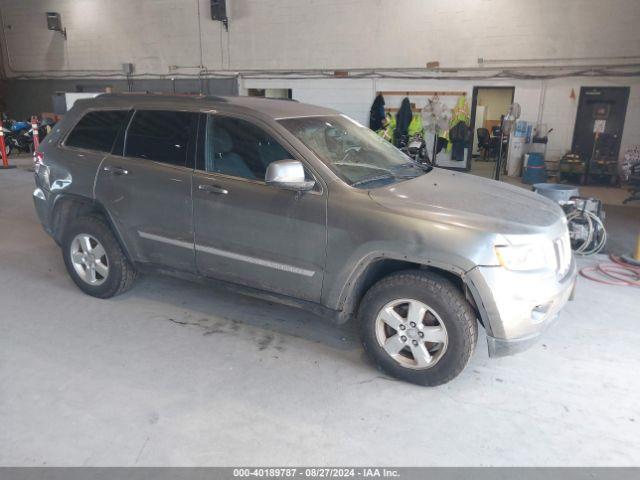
(599, 126)
(148, 199)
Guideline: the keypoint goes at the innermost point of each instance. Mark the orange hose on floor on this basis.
(616, 272)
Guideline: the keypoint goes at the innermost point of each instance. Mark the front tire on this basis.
(417, 326)
(94, 258)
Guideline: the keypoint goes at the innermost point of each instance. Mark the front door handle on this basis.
(213, 189)
(115, 170)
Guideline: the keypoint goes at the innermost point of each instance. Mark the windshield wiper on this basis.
(374, 178)
(413, 163)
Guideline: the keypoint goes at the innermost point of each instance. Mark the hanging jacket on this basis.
(442, 143)
(459, 113)
(459, 138)
(376, 114)
(403, 119)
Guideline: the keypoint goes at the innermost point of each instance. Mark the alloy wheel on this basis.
(412, 333)
(89, 259)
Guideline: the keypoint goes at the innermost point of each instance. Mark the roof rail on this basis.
(165, 94)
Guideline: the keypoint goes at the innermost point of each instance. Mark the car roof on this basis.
(273, 108)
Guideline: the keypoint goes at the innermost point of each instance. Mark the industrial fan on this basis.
(510, 118)
(508, 121)
(436, 117)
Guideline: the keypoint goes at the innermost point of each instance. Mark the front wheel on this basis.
(417, 326)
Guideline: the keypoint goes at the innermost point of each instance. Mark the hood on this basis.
(470, 201)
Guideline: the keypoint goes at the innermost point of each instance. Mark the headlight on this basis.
(535, 256)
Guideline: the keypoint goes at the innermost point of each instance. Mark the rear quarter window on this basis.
(97, 130)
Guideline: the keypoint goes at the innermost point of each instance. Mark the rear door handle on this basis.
(115, 170)
(213, 189)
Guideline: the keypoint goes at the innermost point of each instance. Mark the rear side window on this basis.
(162, 136)
(97, 130)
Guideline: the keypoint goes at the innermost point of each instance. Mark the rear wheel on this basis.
(417, 326)
(94, 259)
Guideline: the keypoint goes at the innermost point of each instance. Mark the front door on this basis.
(147, 188)
(247, 232)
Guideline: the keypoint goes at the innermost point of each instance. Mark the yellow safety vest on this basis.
(415, 127)
(387, 131)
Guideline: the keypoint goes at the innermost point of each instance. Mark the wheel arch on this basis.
(68, 207)
(374, 269)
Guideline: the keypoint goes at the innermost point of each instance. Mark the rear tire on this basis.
(94, 258)
(429, 351)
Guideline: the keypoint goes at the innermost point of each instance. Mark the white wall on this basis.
(296, 34)
(340, 34)
(354, 97)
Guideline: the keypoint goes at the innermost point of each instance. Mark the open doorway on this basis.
(281, 93)
(488, 106)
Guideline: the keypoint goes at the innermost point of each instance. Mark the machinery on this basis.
(572, 168)
(416, 148)
(603, 166)
(585, 218)
(631, 173)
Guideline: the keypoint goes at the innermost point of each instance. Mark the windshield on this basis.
(355, 153)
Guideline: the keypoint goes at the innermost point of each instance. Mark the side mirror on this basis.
(289, 175)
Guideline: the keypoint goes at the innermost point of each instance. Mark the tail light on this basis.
(38, 159)
(42, 171)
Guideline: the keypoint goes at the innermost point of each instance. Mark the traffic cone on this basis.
(5, 161)
(634, 258)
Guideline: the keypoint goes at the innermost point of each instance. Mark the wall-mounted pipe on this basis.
(537, 67)
(482, 61)
(200, 35)
(543, 93)
(353, 75)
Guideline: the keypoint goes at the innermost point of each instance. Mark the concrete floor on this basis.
(623, 227)
(173, 373)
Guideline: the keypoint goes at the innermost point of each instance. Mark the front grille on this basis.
(562, 247)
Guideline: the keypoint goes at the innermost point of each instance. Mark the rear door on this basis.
(87, 144)
(146, 187)
(246, 231)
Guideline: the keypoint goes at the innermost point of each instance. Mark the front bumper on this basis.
(517, 307)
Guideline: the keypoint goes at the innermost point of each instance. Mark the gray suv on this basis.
(300, 204)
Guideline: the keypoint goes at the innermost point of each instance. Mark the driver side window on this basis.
(239, 148)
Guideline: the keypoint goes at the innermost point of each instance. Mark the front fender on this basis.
(361, 232)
